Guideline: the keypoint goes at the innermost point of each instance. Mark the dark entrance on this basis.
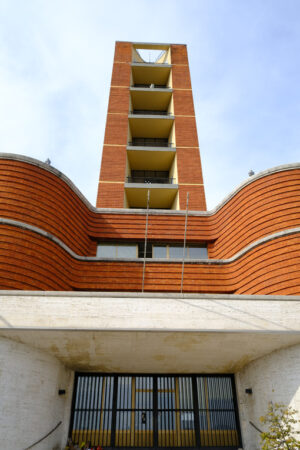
(155, 411)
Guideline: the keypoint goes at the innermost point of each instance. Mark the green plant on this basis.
(280, 420)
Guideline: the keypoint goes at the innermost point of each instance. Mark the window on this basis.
(167, 251)
(176, 251)
(105, 250)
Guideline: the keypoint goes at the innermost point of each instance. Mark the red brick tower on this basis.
(151, 138)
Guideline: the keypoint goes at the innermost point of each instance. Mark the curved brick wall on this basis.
(39, 196)
(31, 261)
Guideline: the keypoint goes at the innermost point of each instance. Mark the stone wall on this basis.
(30, 404)
(275, 377)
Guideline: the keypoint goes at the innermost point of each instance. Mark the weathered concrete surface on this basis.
(148, 333)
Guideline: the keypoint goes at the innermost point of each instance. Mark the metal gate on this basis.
(155, 411)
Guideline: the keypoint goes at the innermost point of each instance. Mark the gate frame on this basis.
(155, 375)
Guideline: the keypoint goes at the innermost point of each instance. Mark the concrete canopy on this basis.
(113, 332)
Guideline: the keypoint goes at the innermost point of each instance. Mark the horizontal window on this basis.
(166, 251)
(176, 251)
(117, 250)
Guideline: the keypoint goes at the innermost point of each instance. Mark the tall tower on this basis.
(151, 140)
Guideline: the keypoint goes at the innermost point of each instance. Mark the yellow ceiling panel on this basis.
(148, 74)
(150, 160)
(150, 127)
(159, 197)
(150, 99)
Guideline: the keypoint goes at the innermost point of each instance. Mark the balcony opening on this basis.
(151, 142)
(150, 176)
(150, 112)
(151, 54)
(149, 77)
(151, 67)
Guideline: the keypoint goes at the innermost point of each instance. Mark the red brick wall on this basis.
(188, 156)
(188, 159)
(113, 165)
(183, 103)
(196, 197)
(34, 262)
(110, 195)
(181, 77)
(37, 197)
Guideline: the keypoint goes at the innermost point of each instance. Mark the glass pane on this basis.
(107, 250)
(124, 393)
(127, 251)
(185, 393)
(176, 251)
(159, 251)
(166, 400)
(187, 420)
(198, 253)
(220, 393)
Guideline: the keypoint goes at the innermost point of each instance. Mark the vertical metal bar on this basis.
(121, 409)
(185, 394)
(187, 434)
(74, 404)
(155, 413)
(95, 409)
(184, 240)
(92, 413)
(78, 415)
(133, 405)
(106, 406)
(86, 416)
(102, 405)
(146, 237)
(177, 405)
(144, 428)
(168, 408)
(114, 409)
(237, 421)
(196, 398)
(221, 406)
(209, 434)
(89, 414)
(84, 384)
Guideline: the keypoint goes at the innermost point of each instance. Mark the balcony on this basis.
(150, 125)
(150, 99)
(151, 74)
(162, 187)
(162, 196)
(150, 86)
(151, 63)
(151, 142)
(150, 180)
(153, 154)
(150, 112)
(150, 176)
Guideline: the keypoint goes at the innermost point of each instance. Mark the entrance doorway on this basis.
(155, 411)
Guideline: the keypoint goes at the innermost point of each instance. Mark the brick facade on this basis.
(113, 166)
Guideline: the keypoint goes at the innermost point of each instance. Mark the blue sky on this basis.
(55, 68)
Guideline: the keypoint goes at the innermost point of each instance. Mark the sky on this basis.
(55, 69)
